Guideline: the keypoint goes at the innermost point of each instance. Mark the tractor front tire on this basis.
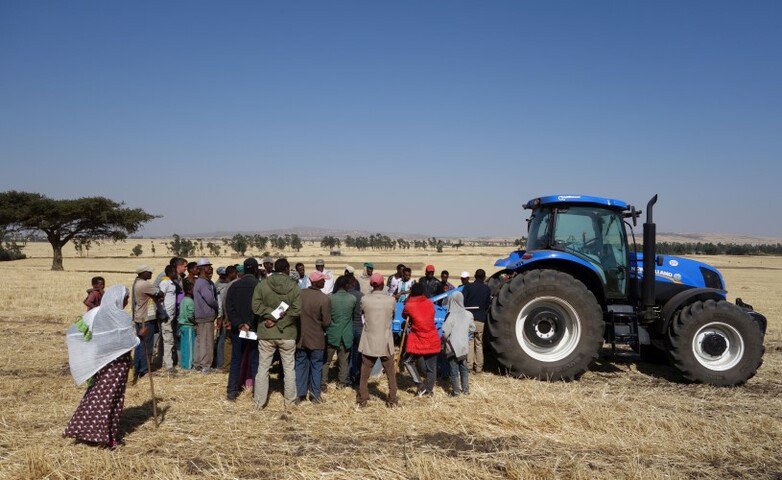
(715, 342)
(545, 324)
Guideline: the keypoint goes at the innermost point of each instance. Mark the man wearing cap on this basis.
(238, 309)
(206, 307)
(267, 267)
(429, 283)
(363, 280)
(277, 329)
(144, 295)
(477, 298)
(315, 318)
(465, 278)
(320, 266)
(377, 340)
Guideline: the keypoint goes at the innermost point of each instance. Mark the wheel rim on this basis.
(548, 329)
(718, 346)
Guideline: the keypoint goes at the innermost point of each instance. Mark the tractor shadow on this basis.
(610, 362)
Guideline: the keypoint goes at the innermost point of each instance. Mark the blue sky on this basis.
(440, 118)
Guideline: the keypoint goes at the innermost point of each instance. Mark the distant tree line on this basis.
(699, 248)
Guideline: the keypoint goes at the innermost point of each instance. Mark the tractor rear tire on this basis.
(715, 342)
(545, 324)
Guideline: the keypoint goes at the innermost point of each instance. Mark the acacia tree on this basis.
(85, 220)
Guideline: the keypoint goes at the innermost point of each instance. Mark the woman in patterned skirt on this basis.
(99, 346)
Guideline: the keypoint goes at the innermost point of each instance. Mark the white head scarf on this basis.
(112, 335)
(456, 305)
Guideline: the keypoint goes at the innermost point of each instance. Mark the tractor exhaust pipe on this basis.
(650, 239)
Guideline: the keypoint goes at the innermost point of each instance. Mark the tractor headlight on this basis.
(712, 279)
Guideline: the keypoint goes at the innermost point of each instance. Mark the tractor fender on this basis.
(584, 273)
(686, 297)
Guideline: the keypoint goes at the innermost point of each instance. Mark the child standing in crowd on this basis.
(457, 328)
(95, 293)
(187, 327)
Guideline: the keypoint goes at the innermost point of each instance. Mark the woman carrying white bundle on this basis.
(457, 327)
(99, 346)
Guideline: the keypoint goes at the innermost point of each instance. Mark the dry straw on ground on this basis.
(623, 419)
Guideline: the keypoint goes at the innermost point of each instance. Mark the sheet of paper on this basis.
(249, 335)
(278, 311)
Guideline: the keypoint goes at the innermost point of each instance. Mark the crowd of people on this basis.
(264, 312)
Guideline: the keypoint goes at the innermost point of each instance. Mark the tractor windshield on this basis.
(593, 234)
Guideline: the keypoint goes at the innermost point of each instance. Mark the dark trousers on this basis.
(219, 357)
(459, 376)
(342, 362)
(238, 348)
(309, 369)
(367, 363)
(355, 355)
(428, 363)
(145, 347)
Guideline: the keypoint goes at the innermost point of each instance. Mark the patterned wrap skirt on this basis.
(96, 419)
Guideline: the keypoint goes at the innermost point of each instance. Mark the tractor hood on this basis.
(680, 271)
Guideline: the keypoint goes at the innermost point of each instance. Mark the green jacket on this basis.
(341, 328)
(267, 296)
(186, 313)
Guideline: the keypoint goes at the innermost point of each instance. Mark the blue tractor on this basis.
(579, 283)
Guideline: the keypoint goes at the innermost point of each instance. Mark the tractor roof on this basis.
(574, 200)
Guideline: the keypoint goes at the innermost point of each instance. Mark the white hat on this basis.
(350, 269)
(203, 261)
(143, 268)
(465, 275)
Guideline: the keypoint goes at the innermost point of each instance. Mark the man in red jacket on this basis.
(423, 341)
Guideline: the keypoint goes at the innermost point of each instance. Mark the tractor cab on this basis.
(584, 235)
(588, 228)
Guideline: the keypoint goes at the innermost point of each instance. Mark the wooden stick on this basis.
(402, 343)
(151, 384)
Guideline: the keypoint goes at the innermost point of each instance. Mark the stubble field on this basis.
(623, 419)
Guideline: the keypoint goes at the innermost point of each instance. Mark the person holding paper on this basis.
(238, 308)
(277, 302)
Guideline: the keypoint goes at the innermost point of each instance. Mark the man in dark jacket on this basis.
(431, 284)
(277, 302)
(477, 298)
(244, 324)
(315, 318)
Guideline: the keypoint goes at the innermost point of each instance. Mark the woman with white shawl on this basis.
(99, 346)
(457, 327)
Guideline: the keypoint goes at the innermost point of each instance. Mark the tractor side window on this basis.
(539, 227)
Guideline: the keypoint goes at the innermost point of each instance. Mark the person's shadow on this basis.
(134, 417)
